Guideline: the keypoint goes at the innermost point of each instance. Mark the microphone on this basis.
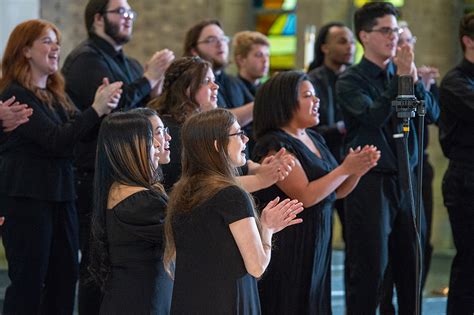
(406, 104)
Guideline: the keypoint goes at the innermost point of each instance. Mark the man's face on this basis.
(118, 27)
(381, 41)
(255, 65)
(339, 46)
(212, 46)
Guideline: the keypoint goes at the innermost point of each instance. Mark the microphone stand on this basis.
(406, 106)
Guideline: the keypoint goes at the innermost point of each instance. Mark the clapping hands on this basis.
(360, 160)
(107, 97)
(278, 215)
(13, 114)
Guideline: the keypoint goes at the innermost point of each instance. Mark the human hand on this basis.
(278, 215)
(107, 97)
(428, 76)
(275, 168)
(155, 67)
(360, 160)
(404, 60)
(13, 114)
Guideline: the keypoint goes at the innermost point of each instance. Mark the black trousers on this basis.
(386, 303)
(41, 246)
(458, 193)
(380, 227)
(90, 295)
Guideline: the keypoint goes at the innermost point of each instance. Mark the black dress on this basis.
(297, 281)
(210, 273)
(138, 283)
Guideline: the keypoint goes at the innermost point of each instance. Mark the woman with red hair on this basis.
(36, 186)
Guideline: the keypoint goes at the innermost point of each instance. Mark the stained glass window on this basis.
(277, 20)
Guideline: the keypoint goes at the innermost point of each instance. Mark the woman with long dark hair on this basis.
(128, 215)
(37, 190)
(218, 243)
(189, 88)
(298, 277)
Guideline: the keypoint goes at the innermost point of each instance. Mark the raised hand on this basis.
(360, 160)
(404, 60)
(155, 67)
(275, 168)
(278, 215)
(107, 97)
(428, 76)
(13, 114)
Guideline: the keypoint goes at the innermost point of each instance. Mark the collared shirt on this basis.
(456, 125)
(252, 88)
(365, 92)
(232, 92)
(84, 69)
(324, 82)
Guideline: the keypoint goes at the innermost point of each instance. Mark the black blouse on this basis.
(36, 158)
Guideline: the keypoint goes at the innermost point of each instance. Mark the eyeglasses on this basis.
(387, 31)
(213, 40)
(125, 13)
(242, 134)
(163, 131)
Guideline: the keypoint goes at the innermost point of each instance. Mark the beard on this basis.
(217, 65)
(113, 30)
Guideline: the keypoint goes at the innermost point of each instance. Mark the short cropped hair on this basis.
(466, 28)
(366, 17)
(243, 41)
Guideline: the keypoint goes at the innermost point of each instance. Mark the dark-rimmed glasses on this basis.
(387, 31)
(242, 134)
(213, 40)
(125, 13)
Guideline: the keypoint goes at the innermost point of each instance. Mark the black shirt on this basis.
(365, 92)
(84, 69)
(36, 159)
(252, 88)
(456, 125)
(211, 277)
(324, 82)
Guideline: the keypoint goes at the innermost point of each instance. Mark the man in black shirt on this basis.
(207, 40)
(109, 24)
(456, 127)
(252, 57)
(378, 212)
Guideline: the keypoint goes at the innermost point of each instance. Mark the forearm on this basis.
(251, 183)
(347, 186)
(244, 114)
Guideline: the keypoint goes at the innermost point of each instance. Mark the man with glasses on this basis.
(379, 224)
(207, 40)
(109, 24)
(456, 128)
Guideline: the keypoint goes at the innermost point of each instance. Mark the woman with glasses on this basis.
(128, 215)
(188, 89)
(37, 192)
(213, 235)
(298, 278)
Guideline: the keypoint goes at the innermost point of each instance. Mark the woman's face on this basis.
(43, 55)
(206, 95)
(307, 114)
(162, 137)
(236, 146)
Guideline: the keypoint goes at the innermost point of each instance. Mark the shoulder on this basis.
(21, 93)
(231, 194)
(272, 141)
